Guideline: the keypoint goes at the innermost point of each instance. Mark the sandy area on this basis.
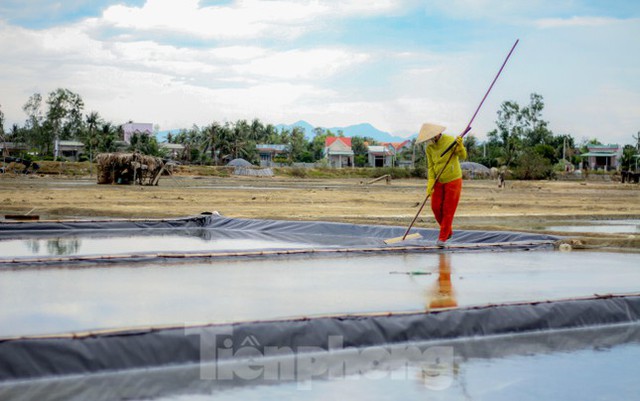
(522, 206)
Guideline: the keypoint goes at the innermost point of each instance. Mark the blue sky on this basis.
(392, 63)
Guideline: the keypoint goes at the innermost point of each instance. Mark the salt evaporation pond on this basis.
(54, 299)
(495, 316)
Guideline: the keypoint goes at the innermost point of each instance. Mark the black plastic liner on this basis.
(90, 353)
(324, 237)
(184, 380)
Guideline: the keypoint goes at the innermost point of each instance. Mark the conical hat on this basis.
(428, 131)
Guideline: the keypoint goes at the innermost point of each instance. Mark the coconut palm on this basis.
(92, 120)
(210, 140)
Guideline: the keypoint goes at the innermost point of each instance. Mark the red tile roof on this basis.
(396, 145)
(332, 139)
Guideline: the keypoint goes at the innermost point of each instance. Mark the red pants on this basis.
(444, 202)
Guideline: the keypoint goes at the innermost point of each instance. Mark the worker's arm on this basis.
(461, 151)
(431, 172)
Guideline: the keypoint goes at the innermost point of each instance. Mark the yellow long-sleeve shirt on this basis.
(435, 162)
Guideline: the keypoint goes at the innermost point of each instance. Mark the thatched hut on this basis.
(128, 168)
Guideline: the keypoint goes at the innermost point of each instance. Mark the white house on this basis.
(605, 157)
(70, 150)
(338, 152)
(381, 156)
(174, 150)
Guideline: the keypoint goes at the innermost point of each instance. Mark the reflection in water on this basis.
(442, 295)
(60, 246)
(182, 241)
(56, 246)
(33, 245)
(442, 371)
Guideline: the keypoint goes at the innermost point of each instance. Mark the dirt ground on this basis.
(521, 206)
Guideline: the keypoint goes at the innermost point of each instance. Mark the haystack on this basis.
(128, 168)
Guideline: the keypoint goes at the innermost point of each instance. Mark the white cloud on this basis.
(310, 64)
(246, 63)
(142, 80)
(242, 19)
(574, 22)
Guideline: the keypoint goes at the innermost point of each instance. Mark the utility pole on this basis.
(413, 155)
(638, 148)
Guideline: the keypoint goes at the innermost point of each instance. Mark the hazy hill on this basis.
(364, 129)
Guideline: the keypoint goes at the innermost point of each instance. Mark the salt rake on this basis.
(451, 147)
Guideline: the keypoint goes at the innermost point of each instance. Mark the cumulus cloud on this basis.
(179, 63)
(302, 64)
(147, 76)
(243, 19)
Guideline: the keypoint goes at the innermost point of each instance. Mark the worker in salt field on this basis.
(444, 183)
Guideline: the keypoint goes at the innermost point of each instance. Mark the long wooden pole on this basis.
(484, 98)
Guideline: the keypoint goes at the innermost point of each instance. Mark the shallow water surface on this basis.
(57, 299)
(119, 245)
(597, 226)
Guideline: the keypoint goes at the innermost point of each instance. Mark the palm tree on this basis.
(256, 132)
(210, 140)
(92, 120)
(224, 143)
(271, 135)
(107, 138)
(241, 134)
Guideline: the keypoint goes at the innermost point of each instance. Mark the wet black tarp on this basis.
(90, 353)
(316, 236)
(182, 381)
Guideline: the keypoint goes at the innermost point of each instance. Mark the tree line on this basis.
(521, 141)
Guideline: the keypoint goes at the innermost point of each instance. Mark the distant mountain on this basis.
(308, 128)
(362, 130)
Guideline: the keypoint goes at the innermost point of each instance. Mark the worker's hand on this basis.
(461, 152)
(431, 183)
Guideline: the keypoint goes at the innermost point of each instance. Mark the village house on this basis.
(268, 152)
(174, 150)
(12, 148)
(602, 157)
(70, 150)
(380, 155)
(398, 149)
(338, 152)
